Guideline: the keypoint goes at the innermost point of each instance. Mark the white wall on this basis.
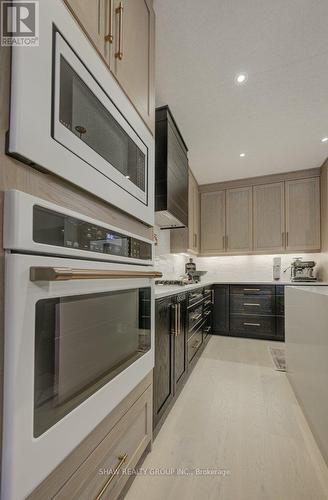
(229, 268)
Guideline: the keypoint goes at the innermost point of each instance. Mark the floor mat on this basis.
(278, 357)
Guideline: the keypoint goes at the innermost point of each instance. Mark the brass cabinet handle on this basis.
(109, 36)
(226, 243)
(223, 242)
(252, 289)
(175, 320)
(122, 459)
(67, 273)
(119, 11)
(252, 324)
(179, 319)
(286, 239)
(249, 304)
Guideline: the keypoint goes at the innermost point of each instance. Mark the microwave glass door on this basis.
(90, 126)
(81, 343)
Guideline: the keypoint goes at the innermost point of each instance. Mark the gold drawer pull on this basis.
(249, 304)
(252, 324)
(119, 11)
(252, 289)
(109, 37)
(122, 459)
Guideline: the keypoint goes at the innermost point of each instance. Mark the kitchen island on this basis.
(306, 339)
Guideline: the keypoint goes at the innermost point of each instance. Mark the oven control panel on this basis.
(53, 228)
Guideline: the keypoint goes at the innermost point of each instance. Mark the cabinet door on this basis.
(187, 239)
(180, 347)
(239, 220)
(193, 214)
(269, 217)
(303, 214)
(213, 222)
(196, 210)
(221, 309)
(163, 370)
(94, 17)
(134, 54)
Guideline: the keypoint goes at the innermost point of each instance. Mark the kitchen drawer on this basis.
(121, 448)
(194, 343)
(195, 316)
(195, 297)
(252, 304)
(252, 289)
(261, 326)
(280, 305)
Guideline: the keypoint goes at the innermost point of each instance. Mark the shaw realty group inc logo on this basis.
(20, 23)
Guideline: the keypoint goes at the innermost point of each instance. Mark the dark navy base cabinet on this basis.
(253, 311)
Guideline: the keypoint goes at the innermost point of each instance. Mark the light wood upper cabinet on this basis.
(93, 16)
(303, 214)
(269, 217)
(239, 220)
(194, 209)
(133, 48)
(123, 32)
(188, 239)
(212, 224)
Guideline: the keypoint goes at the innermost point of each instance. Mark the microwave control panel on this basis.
(53, 228)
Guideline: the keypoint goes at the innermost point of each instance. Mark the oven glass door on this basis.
(82, 342)
(87, 123)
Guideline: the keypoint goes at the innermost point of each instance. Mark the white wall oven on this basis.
(69, 116)
(78, 332)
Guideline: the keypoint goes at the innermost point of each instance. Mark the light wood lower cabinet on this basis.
(303, 214)
(212, 223)
(238, 220)
(269, 217)
(95, 469)
(123, 32)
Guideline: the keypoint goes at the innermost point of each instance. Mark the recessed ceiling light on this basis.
(241, 78)
(242, 155)
(324, 139)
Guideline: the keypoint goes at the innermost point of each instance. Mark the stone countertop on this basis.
(322, 290)
(167, 290)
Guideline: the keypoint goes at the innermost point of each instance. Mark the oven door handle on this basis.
(68, 273)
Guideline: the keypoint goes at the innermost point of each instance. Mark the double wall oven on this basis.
(86, 130)
(79, 328)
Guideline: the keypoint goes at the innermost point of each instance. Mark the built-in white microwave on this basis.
(70, 117)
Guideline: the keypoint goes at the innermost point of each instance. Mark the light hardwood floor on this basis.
(238, 414)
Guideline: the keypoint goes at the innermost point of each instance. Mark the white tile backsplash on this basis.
(230, 268)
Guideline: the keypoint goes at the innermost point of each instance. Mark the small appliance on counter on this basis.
(302, 270)
(193, 275)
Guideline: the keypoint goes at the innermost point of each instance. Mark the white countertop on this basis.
(167, 290)
(322, 290)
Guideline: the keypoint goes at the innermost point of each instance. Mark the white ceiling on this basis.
(279, 116)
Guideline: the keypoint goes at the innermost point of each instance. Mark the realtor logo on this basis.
(20, 23)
